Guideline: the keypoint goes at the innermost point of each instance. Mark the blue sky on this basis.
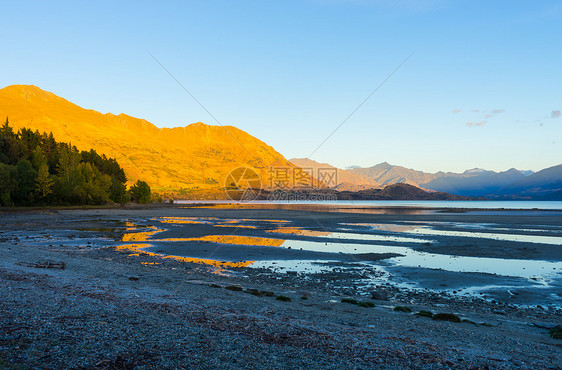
(483, 87)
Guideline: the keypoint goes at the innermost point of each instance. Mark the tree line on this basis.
(35, 169)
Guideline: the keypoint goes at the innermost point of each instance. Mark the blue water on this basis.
(472, 204)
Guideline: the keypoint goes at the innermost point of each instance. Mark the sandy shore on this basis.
(111, 307)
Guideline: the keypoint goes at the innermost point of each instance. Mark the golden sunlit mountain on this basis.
(195, 157)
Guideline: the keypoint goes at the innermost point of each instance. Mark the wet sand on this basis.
(158, 296)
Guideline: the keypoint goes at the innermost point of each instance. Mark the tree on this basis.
(38, 158)
(35, 167)
(25, 182)
(6, 130)
(140, 192)
(43, 182)
(7, 185)
(68, 178)
(117, 191)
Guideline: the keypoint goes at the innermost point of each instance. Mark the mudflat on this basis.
(278, 286)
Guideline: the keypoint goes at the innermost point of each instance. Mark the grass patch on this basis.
(446, 317)
(215, 286)
(366, 304)
(402, 309)
(304, 297)
(425, 313)
(283, 298)
(234, 288)
(266, 293)
(349, 300)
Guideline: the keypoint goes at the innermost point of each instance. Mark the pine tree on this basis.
(6, 130)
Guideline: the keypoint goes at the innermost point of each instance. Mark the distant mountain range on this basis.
(510, 184)
(346, 180)
(198, 157)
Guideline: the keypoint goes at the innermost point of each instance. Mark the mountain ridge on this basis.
(194, 157)
(475, 182)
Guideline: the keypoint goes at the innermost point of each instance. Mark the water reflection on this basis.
(352, 243)
(512, 236)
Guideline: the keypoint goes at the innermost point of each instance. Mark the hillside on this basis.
(194, 157)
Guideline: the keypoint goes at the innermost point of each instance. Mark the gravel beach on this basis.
(78, 291)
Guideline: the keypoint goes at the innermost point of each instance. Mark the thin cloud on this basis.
(472, 124)
(555, 114)
(487, 116)
(456, 111)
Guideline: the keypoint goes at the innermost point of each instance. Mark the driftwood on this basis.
(45, 265)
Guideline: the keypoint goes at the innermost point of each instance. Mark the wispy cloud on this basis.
(493, 113)
(487, 115)
(555, 114)
(456, 111)
(481, 123)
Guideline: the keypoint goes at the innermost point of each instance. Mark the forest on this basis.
(36, 170)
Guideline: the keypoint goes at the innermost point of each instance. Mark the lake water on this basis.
(486, 204)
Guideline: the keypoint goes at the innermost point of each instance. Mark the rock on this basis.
(133, 278)
(499, 312)
(379, 296)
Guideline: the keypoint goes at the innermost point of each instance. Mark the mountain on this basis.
(474, 183)
(557, 195)
(399, 191)
(195, 157)
(540, 184)
(344, 179)
(387, 174)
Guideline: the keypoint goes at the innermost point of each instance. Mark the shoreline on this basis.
(159, 311)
